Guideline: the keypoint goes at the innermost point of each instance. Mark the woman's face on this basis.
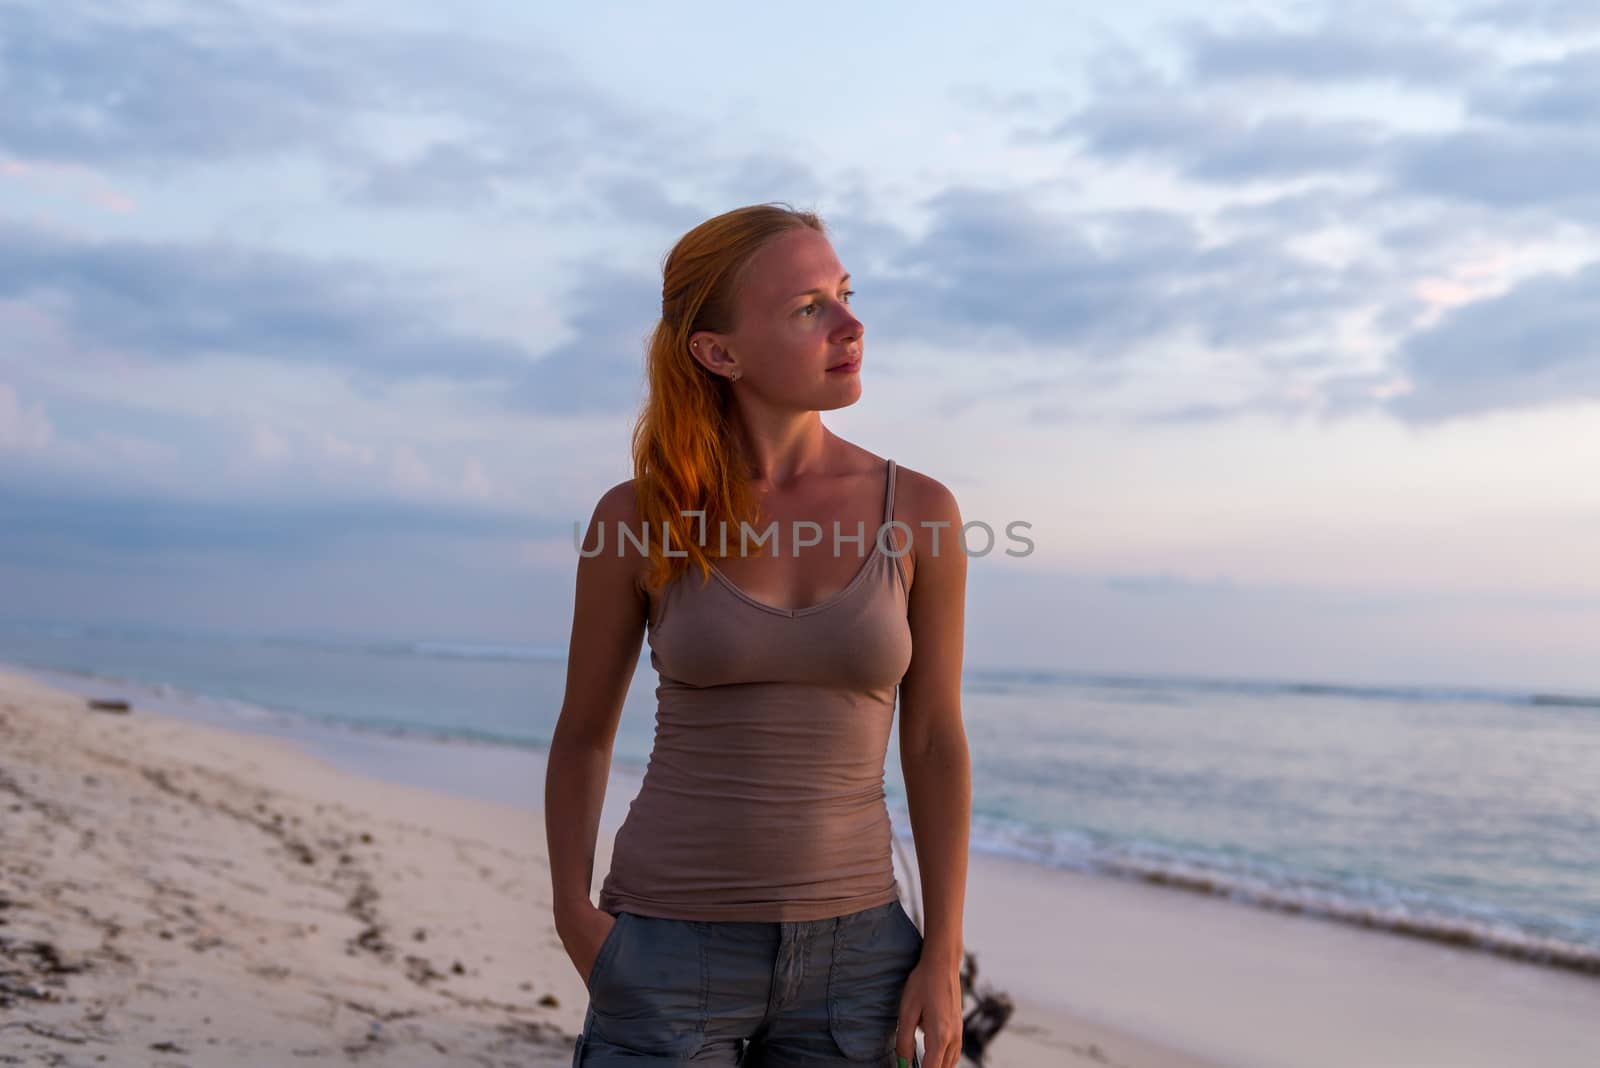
(794, 327)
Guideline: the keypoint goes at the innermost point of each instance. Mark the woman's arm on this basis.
(607, 630)
(936, 767)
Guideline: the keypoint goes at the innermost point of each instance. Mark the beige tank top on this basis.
(763, 796)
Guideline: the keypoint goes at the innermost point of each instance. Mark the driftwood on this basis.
(108, 704)
(984, 1013)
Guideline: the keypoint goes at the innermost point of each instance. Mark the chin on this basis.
(839, 400)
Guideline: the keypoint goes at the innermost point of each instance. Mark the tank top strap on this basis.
(888, 496)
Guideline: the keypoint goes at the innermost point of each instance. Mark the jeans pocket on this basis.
(651, 999)
(872, 956)
(607, 949)
(908, 924)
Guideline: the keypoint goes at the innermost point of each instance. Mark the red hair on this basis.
(685, 454)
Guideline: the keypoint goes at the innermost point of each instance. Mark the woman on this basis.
(751, 915)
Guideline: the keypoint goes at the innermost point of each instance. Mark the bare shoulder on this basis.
(929, 508)
(619, 504)
(920, 498)
(618, 561)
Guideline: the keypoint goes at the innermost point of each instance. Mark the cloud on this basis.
(171, 301)
(176, 302)
(400, 118)
(1092, 282)
(1553, 16)
(1535, 345)
(22, 429)
(458, 174)
(1401, 196)
(92, 90)
(1284, 147)
(82, 183)
(994, 266)
(601, 368)
(320, 462)
(395, 116)
(60, 523)
(642, 198)
(1211, 123)
(1211, 144)
(1546, 162)
(1510, 167)
(267, 446)
(1169, 585)
(1563, 91)
(1525, 139)
(1328, 53)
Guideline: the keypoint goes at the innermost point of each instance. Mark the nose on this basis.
(850, 326)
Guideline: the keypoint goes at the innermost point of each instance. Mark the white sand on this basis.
(165, 864)
(1250, 988)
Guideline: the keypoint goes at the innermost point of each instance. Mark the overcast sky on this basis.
(1279, 324)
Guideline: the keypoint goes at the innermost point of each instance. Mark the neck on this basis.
(780, 449)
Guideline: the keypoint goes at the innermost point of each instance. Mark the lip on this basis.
(846, 368)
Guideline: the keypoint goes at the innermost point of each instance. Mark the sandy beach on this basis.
(173, 893)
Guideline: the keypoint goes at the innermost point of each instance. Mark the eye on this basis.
(847, 295)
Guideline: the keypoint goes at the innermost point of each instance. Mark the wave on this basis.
(1150, 687)
(985, 681)
(165, 697)
(423, 649)
(1375, 905)
(430, 650)
(1565, 701)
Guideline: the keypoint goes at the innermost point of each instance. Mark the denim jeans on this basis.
(757, 995)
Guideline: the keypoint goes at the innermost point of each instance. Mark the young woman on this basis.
(751, 915)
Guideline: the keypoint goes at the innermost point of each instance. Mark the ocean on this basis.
(1469, 816)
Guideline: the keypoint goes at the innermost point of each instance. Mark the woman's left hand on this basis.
(931, 1000)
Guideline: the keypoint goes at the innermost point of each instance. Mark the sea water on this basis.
(1461, 814)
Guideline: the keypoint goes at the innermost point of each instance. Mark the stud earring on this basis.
(733, 375)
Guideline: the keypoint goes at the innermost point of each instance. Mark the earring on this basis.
(733, 375)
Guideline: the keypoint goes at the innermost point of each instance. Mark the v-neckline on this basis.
(794, 613)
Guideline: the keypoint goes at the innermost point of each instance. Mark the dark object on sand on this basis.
(108, 704)
(983, 1013)
(31, 969)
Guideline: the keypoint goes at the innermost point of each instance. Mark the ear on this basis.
(709, 352)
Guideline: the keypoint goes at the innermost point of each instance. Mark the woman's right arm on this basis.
(608, 621)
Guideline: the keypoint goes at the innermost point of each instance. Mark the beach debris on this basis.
(109, 704)
(45, 1032)
(420, 970)
(363, 905)
(521, 1033)
(983, 1012)
(371, 940)
(32, 969)
(380, 1015)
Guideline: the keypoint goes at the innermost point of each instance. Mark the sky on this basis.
(1277, 321)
